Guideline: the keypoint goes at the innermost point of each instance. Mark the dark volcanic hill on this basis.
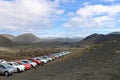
(98, 38)
(5, 41)
(92, 39)
(27, 38)
(115, 33)
(9, 36)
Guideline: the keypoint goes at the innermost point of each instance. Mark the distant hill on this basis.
(92, 39)
(115, 33)
(5, 41)
(32, 40)
(27, 38)
(98, 38)
(70, 40)
(9, 36)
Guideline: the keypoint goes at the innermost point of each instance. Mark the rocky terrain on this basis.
(96, 62)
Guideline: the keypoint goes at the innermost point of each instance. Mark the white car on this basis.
(56, 55)
(46, 57)
(2, 61)
(33, 64)
(42, 59)
(19, 67)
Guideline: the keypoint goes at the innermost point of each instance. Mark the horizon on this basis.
(58, 36)
(59, 18)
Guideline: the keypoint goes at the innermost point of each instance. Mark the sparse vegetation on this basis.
(20, 53)
(93, 47)
(93, 62)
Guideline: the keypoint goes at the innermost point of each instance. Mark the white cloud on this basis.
(26, 15)
(64, 1)
(86, 3)
(94, 16)
(109, 29)
(108, 0)
(118, 21)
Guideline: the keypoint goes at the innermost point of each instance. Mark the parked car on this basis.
(52, 56)
(19, 67)
(46, 57)
(56, 55)
(33, 64)
(6, 69)
(39, 62)
(63, 53)
(2, 61)
(27, 66)
(60, 54)
(42, 59)
(67, 52)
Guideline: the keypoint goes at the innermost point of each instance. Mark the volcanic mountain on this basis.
(4, 41)
(27, 38)
(98, 38)
(9, 36)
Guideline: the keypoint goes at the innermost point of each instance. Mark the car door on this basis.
(2, 69)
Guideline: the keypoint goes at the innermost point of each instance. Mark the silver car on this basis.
(6, 69)
(18, 66)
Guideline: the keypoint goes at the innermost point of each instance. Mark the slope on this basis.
(5, 41)
(27, 38)
(97, 39)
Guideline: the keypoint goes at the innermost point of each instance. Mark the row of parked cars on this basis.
(8, 68)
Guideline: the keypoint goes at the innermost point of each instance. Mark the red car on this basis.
(39, 62)
(27, 66)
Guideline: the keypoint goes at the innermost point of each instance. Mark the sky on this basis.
(59, 18)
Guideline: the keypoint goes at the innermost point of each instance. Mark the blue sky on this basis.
(59, 18)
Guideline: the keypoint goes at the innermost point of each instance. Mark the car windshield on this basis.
(36, 58)
(16, 64)
(25, 61)
(43, 58)
(29, 61)
(7, 65)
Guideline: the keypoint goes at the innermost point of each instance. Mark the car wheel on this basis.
(6, 73)
(18, 70)
(32, 66)
(42, 63)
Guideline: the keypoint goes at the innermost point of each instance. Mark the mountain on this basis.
(27, 38)
(5, 41)
(92, 39)
(70, 40)
(67, 39)
(98, 38)
(115, 33)
(9, 36)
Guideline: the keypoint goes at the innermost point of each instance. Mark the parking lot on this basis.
(40, 72)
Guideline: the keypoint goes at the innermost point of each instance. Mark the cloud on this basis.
(108, 0)
(94, 16)
(110, 29)
(27, 15)
(65, 1)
